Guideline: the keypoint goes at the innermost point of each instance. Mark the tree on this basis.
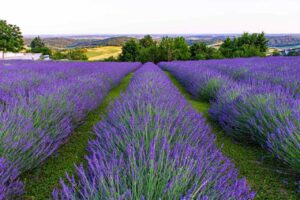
(293, 53)
(247, 45)
(200, 51)
(58, 55)
(38, 46)
(37, 43)
(166, 48)
(130, 51)
(74, 54)
(147, 41)
(216, 54)
(149, 54)
(250, 51)
(11, 38)
(43, 50)
(227, 48)
(147, 50)
(181, 49)
(262, 42)
(276, 53)
(173, 49)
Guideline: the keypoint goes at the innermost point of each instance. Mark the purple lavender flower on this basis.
(255, 100)
(153, 145)
(10, 186)
(42, 102)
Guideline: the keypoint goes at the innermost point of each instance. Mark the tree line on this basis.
(146, 49)
(168, 49)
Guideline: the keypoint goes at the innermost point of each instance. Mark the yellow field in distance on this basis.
(100, 53)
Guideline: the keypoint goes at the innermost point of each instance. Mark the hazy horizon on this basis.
(156, 34)
(138, 17)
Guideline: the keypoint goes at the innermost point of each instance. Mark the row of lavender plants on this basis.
(252, 110)
(283, 71)
(40, 104)
(153, 145)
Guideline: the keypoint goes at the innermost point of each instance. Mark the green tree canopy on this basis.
(76, 54)
(147, 41)
(181, 49)
(200, 51)
(130, 51)
(11, 38)
(246, 45)
(149, 54)
(38, 46)
(43, 50)
(173, 49)
(148, 50)
(166, 49)
(37, 43)
(73, 54)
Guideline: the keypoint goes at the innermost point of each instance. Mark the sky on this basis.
(152, 16)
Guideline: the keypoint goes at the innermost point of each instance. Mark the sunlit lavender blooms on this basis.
(10, 186)
(257, 101)
(153, 145)
(204, 86)
(41, 103)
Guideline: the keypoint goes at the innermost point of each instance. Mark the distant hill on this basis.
(114, 41)
(87, 41)
(66, 42)
(207, 40)
(283, 41)
(274, 40)
(54, 42)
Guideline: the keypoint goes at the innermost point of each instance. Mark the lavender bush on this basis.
(284, 142)
(203, 83)
(41, 102)
(282, 71)
(256, 103)
(153, 145)
(10, 186)
(264, 114)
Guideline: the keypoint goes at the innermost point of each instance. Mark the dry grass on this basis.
(100, 53)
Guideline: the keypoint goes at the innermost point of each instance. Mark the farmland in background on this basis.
(100, 53)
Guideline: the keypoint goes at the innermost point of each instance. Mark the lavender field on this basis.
(254, 100)
(152, 142)
(41, 103)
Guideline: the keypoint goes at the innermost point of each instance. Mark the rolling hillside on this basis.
(114, 41)
(54, 42)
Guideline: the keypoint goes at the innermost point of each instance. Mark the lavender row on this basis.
(41, 103)
(283, 71)
(153, 145)
(200, 81)
(22, 79)
(250, 110)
